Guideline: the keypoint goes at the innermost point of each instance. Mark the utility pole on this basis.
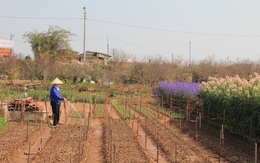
(84, 40)
(11, 37)
(190, 55)
(107, 46)
(12, 50)
(172, 58)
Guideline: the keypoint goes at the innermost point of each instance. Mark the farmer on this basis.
(56, 99)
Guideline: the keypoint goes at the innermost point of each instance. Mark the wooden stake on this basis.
(223, 138)
(157, 147)
(200, 120)
(114, 153)
(176, 150)
(27, 132)
(41, 143)
(146, 133)
(196, 126)
(41, 126)
(79, 145)
(180, 121)
(65, 112)
(28, 160)
(256, 153)
(137, 132)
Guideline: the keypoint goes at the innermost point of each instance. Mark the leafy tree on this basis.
(54, 40)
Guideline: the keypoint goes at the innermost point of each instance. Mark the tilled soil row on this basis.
(175, 148)
(13, 138)
(233, 150)
(170, 143)
(66, 145)
(121, 144)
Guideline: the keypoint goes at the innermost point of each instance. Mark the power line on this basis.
(135, 26)
(37, 18)
(150, 45)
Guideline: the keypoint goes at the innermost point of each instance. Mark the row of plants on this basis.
(100, 111)
(123, 111)
(166, 111)
(72, 95)
(234, 102)
(146, 112)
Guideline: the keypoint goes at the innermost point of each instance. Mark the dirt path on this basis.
(93, 145)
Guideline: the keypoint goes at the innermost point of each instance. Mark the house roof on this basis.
(91, 53)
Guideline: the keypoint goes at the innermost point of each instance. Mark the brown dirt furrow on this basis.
(13, 138)
(121, 144)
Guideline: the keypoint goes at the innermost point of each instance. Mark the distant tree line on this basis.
(53, 57)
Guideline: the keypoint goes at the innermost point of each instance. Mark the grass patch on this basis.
(2, 123)
(77, 114)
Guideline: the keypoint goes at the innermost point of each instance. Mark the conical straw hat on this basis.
(56, 81)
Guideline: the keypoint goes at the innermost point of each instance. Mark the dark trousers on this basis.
(55, 113)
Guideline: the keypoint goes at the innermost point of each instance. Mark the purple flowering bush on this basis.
(179, 89)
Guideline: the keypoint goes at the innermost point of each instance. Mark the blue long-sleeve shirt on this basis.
(55, 95)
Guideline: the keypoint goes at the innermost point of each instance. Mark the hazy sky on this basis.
(226, 29)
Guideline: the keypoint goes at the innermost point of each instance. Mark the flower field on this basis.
(233, 102)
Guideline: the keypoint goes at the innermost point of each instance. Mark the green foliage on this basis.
(99, 111)
(39, 94)
(2, 123)
(233, 102)
(99, 98)
(166, 111)
(111, 92)
(52, 41)
(124, 112)
(147, 112)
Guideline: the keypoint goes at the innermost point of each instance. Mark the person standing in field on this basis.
(56, 98)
